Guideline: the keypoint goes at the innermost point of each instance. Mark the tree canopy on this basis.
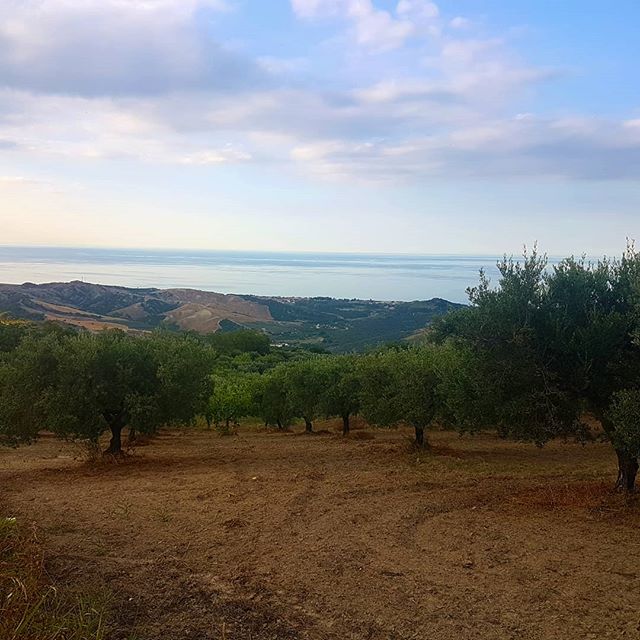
(401, 386)
(551, 345)
(80, 385)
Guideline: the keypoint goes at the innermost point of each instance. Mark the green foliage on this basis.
(232, 398)
(342, 387)
(465, 400)
(342, 326)
(184, 365)
(232, 343)
(379, 386)
(271, 397)
(25, 373)
(547, 345)
(401, 386)
(625, 415)
(256, 363)
(306, 383)
(81, 384)
(102, 381)
(11, 333)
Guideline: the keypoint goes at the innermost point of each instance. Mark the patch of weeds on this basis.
(31, 607)
(89, 450)
(163, 514)
(122, 510)
(225, 429)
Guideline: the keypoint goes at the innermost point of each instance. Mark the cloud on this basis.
(104, 128)
(14, 180)
(12, 185)
(316, 8)
(373, 28)
(118, 47)
(216, 156)
(459, 22)
(282, 66)
(418, 9)
(575, 149)
(105, 80)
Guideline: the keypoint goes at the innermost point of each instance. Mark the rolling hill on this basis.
(336, 325)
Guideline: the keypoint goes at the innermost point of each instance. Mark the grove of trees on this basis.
(79, 385)
(549, 352)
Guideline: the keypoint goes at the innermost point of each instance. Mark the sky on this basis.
(462, 126)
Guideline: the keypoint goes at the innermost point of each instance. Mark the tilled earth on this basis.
(282, 535)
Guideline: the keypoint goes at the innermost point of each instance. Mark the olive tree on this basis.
(184, 365)
(25, 372)
(306, 382)
(342, 388)
(232, 398)
(401, 386)
(271, 397)
(83, 384)
(549, 345)
(624, 413)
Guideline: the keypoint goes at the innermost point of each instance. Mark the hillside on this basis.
(337, 325)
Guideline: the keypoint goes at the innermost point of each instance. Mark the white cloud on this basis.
(13, 179)
(104, 128)
(216, 156)
(418, 9)
(461, 23)
(379, 31)
(583, 149)
(373, 28)
(117, 47)
(436, 102)
(317, 8)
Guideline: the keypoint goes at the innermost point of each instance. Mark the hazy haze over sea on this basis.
(344, 275)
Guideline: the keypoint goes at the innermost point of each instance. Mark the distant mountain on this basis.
(336, 325)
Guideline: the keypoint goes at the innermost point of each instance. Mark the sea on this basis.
(338, 275)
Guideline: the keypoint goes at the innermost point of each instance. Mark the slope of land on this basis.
(285, 536)
(337, 325)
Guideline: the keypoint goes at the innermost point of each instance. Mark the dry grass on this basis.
(272, 536)
(31, 606)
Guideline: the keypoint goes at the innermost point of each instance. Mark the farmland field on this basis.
(266, 535)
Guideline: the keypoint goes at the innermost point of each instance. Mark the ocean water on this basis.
(367, 276)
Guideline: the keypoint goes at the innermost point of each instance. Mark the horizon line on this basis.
(300, 252)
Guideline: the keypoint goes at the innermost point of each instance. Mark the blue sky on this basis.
(468, 126)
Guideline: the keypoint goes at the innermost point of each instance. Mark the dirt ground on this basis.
(285, 536)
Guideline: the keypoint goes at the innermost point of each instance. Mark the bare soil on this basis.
(284, 536)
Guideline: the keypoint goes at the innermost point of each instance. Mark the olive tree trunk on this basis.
(420, 440)
(627, 471)
(627, 464)
(115, 444)
(345, 424)
(308, 425)
(116, 421)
